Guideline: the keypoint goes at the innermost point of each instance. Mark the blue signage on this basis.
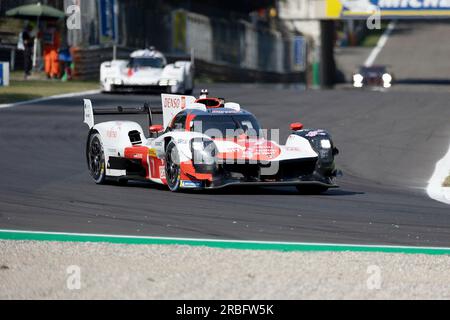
(1, 74)
(299, 51)
(107, 14)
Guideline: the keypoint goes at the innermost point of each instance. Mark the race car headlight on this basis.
(324, 148)
(325, 144)
(164, 82)
(387, 78)
(203, 151)
(358, 80)
(173, 82)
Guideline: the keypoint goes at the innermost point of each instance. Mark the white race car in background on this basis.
(147, 70)
(373, 76)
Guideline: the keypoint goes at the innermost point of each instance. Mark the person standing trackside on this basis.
(26, 43)
(52, 41)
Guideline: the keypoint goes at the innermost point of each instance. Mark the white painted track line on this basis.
(381, 43)
(59, 96)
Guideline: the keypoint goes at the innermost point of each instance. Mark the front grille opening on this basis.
(134, 168)
(292, 169)
(245, 172)
(280, 171)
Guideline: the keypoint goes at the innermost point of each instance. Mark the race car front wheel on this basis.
(172, 167)
(96, 159)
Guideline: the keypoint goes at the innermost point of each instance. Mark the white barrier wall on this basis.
(250, 60)
(279, 53)
(259, 49)
(199, 36)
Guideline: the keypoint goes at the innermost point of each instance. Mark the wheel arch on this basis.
(92, 131)
(167, 140)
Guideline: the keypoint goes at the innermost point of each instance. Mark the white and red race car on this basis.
(147, 70)
(205, 143)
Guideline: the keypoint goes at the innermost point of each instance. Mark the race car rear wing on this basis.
(90, 112)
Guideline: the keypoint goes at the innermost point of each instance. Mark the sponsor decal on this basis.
(152, 152)
(162, 172)
(223, 111)
(112, 134)
(233, 149)
(172, 104)
(190, 184)
(260, 149)
(315, 133)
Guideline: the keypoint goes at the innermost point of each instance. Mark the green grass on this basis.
(22, 90)
(446, 182)
(372, 36)
(204, 79)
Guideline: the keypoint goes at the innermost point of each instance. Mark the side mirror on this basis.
(156, 128)
(296, 126)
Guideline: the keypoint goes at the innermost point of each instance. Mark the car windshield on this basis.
(227, 126)
(366, 70)
(146, 63)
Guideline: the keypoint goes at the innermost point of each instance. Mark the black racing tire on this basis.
(311, 189)
(172, 167)
(96, 159)
(188, 92)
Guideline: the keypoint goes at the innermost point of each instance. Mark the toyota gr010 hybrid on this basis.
(147, 70)
(205, 143)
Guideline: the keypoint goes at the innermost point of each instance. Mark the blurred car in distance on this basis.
(373, 76)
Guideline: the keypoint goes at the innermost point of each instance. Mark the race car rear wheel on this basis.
(172, 167)
(311, 189)
(96, 159)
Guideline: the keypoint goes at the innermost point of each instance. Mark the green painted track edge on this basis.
(223, 244)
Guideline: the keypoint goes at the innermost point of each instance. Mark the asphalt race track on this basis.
(389, 143)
